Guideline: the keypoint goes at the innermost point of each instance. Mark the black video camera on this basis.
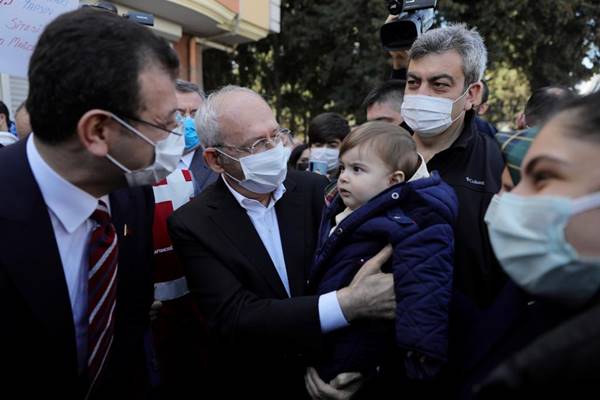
(135, 16)
(415, 18)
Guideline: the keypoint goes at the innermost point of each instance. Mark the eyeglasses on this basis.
(263, 144)
(175, 131)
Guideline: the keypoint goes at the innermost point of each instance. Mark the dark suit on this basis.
(258, 332)
(37, 338)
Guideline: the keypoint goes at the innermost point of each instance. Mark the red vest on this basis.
(169, 194)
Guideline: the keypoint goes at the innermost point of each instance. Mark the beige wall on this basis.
(256, 12)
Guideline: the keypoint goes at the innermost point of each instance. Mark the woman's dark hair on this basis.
(88, 59)
(583, 116)
(296, 153)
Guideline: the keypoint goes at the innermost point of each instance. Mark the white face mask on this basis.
(167, 153)
(263, 172)
(528, 237)
(429, 116)
(324, 154)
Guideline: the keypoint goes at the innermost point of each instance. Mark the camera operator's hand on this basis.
(399, 57)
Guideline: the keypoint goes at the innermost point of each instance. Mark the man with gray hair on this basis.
(247, 242)
(443, 85)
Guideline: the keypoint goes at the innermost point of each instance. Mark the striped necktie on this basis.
(102, 291)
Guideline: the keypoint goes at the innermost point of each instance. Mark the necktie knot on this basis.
(100, 214)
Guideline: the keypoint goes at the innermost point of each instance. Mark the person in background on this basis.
(514, 146)
(542, 104)
(22, 123)
(481, 109)
(179, 329)
(386, 195)
(76, 264)
(247, 242)
(384, 103)
(189, 99)
(545, 235)
(6, 137)
(299, 157)
(325, 134)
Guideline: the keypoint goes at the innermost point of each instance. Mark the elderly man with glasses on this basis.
(246, 244)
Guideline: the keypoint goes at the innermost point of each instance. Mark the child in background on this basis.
(386, 195)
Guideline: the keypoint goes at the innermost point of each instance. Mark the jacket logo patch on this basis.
(474, 181)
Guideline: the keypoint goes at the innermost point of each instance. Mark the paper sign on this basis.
(21, 24)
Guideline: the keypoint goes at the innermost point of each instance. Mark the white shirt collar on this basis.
(187, 158)
(71, 205)
(247, 203)
(421, 172)
(7, 138)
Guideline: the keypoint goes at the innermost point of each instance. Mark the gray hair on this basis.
(467, 43)
(208, 115)
(188, 87)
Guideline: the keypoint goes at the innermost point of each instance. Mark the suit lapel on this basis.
(230, 217)
(32, 258)
(292, 231)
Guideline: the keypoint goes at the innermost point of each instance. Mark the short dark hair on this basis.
(183, 86)
(4, 111)
(390, 92)
(326, 127)
(583, 116)
(392, 143)
(544, 102)
(295, 154)
(88, 59)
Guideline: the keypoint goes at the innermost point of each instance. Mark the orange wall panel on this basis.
(233, 5)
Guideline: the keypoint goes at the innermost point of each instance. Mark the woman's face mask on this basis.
(528, 237)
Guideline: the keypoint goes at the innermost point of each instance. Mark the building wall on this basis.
(256, 19)
(233, 5)
(257, 12)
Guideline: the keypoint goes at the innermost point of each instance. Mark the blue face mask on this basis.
(191, 136)
(528, 237)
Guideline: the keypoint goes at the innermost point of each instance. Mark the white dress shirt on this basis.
(265, 222)
(186, 160)
(70, 209)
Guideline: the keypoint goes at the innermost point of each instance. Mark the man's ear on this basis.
(473, 96)
(397, 177)
(95, 130)
(213, 159)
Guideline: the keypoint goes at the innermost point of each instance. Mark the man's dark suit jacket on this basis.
(257, 332)
(37, 334)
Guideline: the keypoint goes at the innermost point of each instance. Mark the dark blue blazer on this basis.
(203, 176)
(37, 335)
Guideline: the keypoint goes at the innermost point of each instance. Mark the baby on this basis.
(386, 195)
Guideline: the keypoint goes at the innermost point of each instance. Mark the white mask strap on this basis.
(227, 155)
(118, 164)
(585, 203)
